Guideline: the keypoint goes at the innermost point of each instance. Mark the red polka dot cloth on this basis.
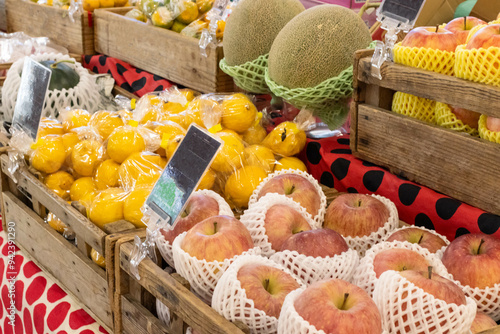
(331, 162)
(36, 304)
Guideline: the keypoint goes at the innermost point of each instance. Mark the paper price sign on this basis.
(31, 97)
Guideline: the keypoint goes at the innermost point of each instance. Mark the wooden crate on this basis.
(453, 163)
(39, 20)
(160, 51)
(68, 263)
(3, 16)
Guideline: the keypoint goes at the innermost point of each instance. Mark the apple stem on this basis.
(479, 248)
(266, 284)
(346, 295)
(430, 272)
(465, 22)
(437, 28)
(421, 237)
(215, 227)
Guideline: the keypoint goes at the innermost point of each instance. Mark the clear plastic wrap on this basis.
(59, 226)
(140, 169)
(107, 206)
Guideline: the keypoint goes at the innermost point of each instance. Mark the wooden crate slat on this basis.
(38, 20)
(438, 87)
(85, 230)
(454, 163)
(138, 320)
(76, 274)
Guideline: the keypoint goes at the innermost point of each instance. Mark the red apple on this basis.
(461, 26)
(418, 236)
(481, 323)
(198, 208)
(281, 222)
(485, 37)
(398, 259)
(468, 117)
(316, 243)
(356, 215)
(337, 306)
(474, 260)
(296, 187)
(267, 286)
(431, 38)
(493, 124)
(217, 238)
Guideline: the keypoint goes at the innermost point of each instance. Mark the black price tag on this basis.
(31, 97)
(183, 173)
(405, 11)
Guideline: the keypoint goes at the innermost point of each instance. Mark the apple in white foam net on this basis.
(316, 243)
(481, 323)
(398, 259)
(423, 238)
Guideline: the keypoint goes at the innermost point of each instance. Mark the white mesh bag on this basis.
(163, 312)
(362, 244)
(364, 275)
(312, 269)
(254, 219)
(85, 95)
(487, 299)
(290, 322)
(230, 300)
(318, 218)
(202, 274)
(406, 308)
(165, 247)
(440, 252)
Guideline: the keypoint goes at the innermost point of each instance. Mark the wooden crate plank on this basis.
(76, 274)
(138, 320)
(83, 228)
(456, 164)
(3, 17)
(37, 20)
(495, 330)
(180, 300)
(160, 51)
(438, 87)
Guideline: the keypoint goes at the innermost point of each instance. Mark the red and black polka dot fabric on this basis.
(126, 76)
(331, 162)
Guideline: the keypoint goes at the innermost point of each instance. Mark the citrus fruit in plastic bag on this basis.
(90, 5)
(140, 169)
(177, 26)
(123, 142)
(133, 204)
(238, 113)
(56, 223)
(204, 5)
(49, 126)
(167, 130)
(107, 206)
(162, 18)
(189, 14)
(74, 119)
(258, 155)
(106, 3)
(105, 122)
(48, 154)
(290, 163)
(98, 258)
(208, 179)
(106, 175)
(241, 184)
(82, 188)
(230, 156)
(60, 183)
(70, 139)
(136, 14)
(86, 156)
(219, 32)
(255, 134)
(286, 139)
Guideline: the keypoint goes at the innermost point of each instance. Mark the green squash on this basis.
(63, 76)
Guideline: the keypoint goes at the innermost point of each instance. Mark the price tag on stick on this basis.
(31, 97)
(394, 16)
(171, 192)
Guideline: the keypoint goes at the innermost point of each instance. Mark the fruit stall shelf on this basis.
(165, 53)
(450, 162)
(26, 203)
(39, 20)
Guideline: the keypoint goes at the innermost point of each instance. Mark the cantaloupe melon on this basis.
(253, 25)
(316, 45)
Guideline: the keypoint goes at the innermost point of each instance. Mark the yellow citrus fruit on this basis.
(90, 5)
(221, 26)
(204, 112)
(49, 126)
(255, 134)
(173, 108)
(189, 14)
(290, 163)
(98, 258)
(120, 3)
(286, 139)
(60, 182)
(70, 139)
(74, 119)
(49, 154)
(123, 142)
(172, 145)
(258, 155)
(86, 156)
(204, 5)
(106, 3)
(230, 155)
(177, 26)
(140, 169)
(82, 188)
(241, 184)
(133, 204)
(104, 122)
(55, 223)
(137, 15)
(189, 94)
(125, 114)
(107, 206)
(151, 114)
(106, 175)
(208, 180)
(167, 130)
(238, 113)
(162, 18)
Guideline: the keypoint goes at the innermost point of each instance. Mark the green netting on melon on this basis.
(249, 76)
(335, 116)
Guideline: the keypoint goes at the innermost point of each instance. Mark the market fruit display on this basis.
(420, 236)
(462, 27)
(398, 259)
(316, 243)
(431, 38)
(62, 76)
(485, 37)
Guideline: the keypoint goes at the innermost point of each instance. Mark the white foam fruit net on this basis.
(230, 300)
(202, 274)
(83, 96)
(163, 312)
(165, 247)
(440, 252)
(254, 219)
(487, 299)
(364, 275)
(362, 244)
(312, 269)
(406, 308)
(318, 218)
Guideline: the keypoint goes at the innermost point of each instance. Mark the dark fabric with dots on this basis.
(329, 161)
(126, 76)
